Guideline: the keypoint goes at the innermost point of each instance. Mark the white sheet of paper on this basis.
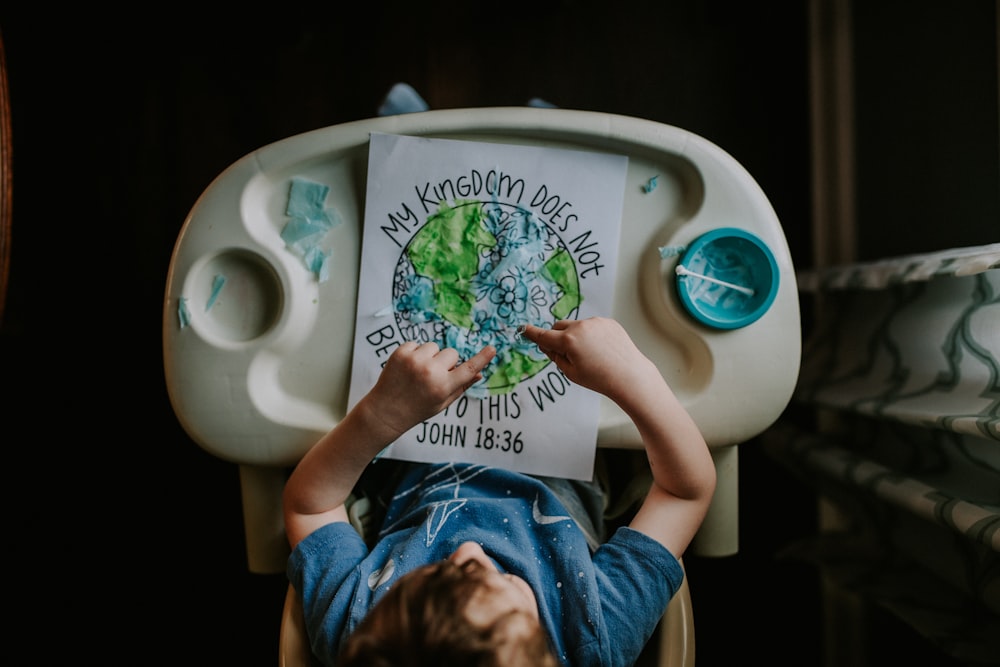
(465, 240)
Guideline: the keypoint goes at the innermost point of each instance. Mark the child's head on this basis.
(460, 611)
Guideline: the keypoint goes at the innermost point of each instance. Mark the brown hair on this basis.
(422, 621)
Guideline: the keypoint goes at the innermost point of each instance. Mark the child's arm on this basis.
(597, 353)
(418, 381)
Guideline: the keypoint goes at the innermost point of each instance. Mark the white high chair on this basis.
(254, 381)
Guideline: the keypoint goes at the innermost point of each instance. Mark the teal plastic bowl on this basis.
(727, 278)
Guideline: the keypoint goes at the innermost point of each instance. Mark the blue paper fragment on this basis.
(301, 234)
(418, 299)
(539, 103)
(310, 221)
(401, 98)
(317, 261)
(651, 184)
(217, 282)
(183, 316)
(671, 250)
(305, 198)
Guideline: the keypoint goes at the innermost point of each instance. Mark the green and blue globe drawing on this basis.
(472, 274)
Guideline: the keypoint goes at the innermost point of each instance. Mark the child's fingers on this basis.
(447, 356)
(545, 339)
(475, 365)
(470, 370)
(406, 347)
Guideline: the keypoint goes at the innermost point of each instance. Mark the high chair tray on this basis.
(256, 378)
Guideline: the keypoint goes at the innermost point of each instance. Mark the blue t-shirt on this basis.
(598, 608)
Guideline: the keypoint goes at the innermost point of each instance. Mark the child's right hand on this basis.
(420, 380)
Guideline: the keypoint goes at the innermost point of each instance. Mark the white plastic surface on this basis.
(260, 376)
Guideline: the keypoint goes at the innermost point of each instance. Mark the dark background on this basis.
(124, 538)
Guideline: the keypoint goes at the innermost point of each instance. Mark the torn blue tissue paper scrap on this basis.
(310, 220)
(400, 99)
(651, 184)
(182, 312)
(539, 103)
(217, 283)
(671, 251)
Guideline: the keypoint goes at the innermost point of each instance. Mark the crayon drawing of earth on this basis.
(476, 271)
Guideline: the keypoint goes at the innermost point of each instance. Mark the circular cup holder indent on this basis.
(235, 295)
